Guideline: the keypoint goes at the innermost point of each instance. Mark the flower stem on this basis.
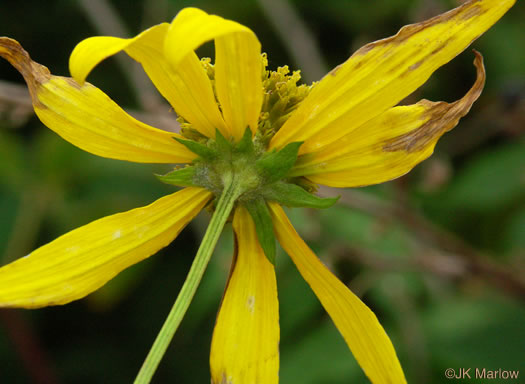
(221, 214)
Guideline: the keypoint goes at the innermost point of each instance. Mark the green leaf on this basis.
(321, 341)
(513, 239)
(263, 226)
(292, 195)
(201, 150)
(491, 181)
(277, 164)
(183, 177)
(357, 229)
(464, 331)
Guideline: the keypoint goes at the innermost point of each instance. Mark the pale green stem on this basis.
(221, 214)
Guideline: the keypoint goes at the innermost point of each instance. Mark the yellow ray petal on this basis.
(362, 332)
(389, 145)
(245, 345)
(382, 73)
(88, 118)
(84, 259)
(188, 89)
(238, 64)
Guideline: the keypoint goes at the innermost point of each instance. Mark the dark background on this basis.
(439, 254)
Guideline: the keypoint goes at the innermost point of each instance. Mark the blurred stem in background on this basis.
(441, 253)
(298, 39)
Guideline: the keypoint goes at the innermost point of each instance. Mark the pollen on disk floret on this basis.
(282, 96)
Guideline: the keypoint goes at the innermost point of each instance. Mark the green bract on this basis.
(260, 177)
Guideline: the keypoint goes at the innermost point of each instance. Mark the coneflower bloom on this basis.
(252, 140)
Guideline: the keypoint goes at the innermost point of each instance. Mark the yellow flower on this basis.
(348, 130)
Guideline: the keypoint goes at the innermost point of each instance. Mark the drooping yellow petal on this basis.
(389, 145)
(188, 88)
(381, 74)
(88, 118)
(238, 64)
(245, 345)
(84, 259)
(359, 326)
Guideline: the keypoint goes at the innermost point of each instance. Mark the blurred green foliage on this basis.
(439, 313)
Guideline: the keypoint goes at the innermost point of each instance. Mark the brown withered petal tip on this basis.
(34, 74)
(443, 116)
(411, 29)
